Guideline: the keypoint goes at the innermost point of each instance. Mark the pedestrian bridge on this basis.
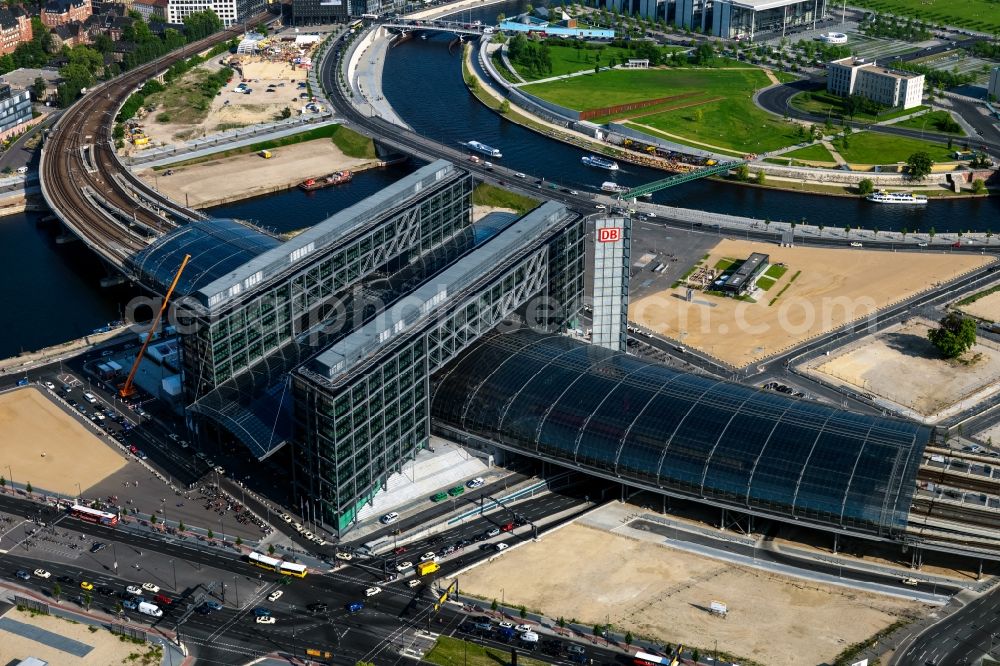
(456, 27)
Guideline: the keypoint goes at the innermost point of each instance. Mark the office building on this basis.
(745, 277)
(15, 110)
(755, 19)
(888, 87)
(229, 11)
(993, 90)
(612, 270)
(313, 12)
(63, 12)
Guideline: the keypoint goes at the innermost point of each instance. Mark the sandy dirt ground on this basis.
(987, 307)
(902, 365)
(232, 109)
(243, 176)
(49, 448)
(658, 592)
(826, 288)
(107, 648)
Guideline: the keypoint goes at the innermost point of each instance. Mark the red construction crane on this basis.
(127, 390)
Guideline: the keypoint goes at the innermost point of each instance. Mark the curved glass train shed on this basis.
(731, 445)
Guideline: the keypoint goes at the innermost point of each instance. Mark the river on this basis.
(423, 81)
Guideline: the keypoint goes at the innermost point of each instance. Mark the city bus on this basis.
(93, 515)
(646, 659)
(278, 566)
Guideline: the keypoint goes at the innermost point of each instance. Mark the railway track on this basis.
(86, 186)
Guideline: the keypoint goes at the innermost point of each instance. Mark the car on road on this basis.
(521, 628)
(476, 482)
(347, 557)
(285, 517)
(601, 207)
(22, 574)
(413, 583)
(202, 609)
(389, 518)
(213, 605)
(448, 550)
(507, 527)
(439, 497)
(456, 491)
(264, 619)
(106, 591)
(493, 531)
(372, 591)
(502, 546)
(65, 579)
(399, 551)
(428, 556)
(403, 566)
(921, 244)
(50, 386)
(317, 607)
(163, 599)
(129, 604)
(98, 547)
(855, 244)
(274, 596)
(261, 612)
(910, 581)
(86, 586)
(529, 637)
(42, 573)
(355, 606)
(149, 587)
(462, 543)
(506, 625)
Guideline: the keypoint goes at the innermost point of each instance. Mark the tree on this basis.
(504, 107)
(3, 482)
(761, 177)
(152, 519)
(931, 233)
(561, 622)
(501, 17)
(598, 630)
(28, 487)
(523, 612)
(979, 186)
(56, 591)
(88, 599)
(270, 549)
(628, 639)
(38, 88)
(954, 336)
(919, 165)
(286, 113)
(494, 605)
(743, 172)
(866, 186)
(180, 526)
(696, 655)
(211, 534)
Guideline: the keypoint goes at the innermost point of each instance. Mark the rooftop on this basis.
(761, 5)
(854, 61)
(747, 269)
(277, 259)
(448, 284)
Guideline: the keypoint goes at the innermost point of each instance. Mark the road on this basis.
(776, 100)
(961, 638)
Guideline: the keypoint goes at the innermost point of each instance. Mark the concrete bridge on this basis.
(455, 27)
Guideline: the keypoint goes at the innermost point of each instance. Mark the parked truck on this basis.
(149, 609)
(425, 568)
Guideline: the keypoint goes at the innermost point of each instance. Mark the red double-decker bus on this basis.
(93, 515)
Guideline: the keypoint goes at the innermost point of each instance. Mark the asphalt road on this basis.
(961, 638)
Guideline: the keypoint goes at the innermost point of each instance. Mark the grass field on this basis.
(188, 99)
(455, 652)
(871, 148)
(981, 15)
(491, 195)
(567, 60)
(726, 117)
(929, 122)
(822, 103)
(353, 144)
(816, 153)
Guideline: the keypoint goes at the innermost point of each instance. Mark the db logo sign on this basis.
(609, 235)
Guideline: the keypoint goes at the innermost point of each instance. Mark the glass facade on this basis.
(360, 421)
(689, 435)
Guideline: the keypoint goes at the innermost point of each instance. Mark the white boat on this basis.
(483, 148)
(897, 198)
(599, 162)
(609, 186)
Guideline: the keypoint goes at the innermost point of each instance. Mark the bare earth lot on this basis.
(655, 591)
(107, 648)
(900, 364)
(987, 307)
(826, 289)
(209, 183)
(49, 448)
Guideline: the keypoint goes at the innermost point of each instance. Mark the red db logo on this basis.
(609, 235)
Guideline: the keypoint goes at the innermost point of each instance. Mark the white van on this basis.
(152, 610)
(90, 398)
(22, 170)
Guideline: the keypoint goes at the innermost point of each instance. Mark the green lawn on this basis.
(821, 103)
(982, 15)
(731, 121)
(816, 152)
(929, 122)
(454, 652)
(776, 271)
(491, 195)
(353, 144)
(566, 60)
(871, 148)
(765, 282)
(724, 264)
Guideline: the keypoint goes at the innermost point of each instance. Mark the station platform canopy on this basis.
(693, 436)
(217, 247)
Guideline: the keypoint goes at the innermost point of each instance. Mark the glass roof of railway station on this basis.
(217, 248)
(594, 409)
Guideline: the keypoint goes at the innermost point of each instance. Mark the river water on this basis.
(423, 81)
(50, 293)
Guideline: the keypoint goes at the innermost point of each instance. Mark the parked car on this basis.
(389, 518)
(493, 531)
(476, 482)
(98, 547)
(439, 497)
